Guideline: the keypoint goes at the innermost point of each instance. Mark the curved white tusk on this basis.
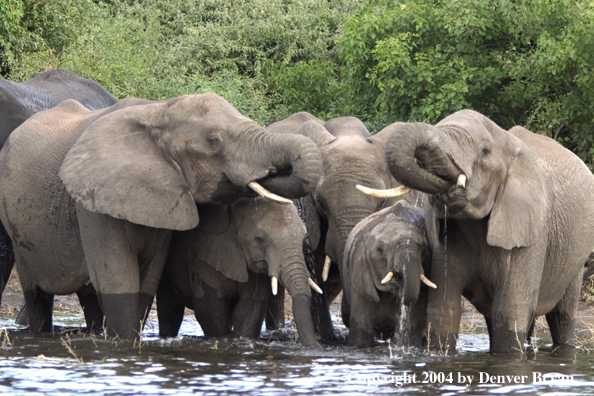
(388, 277)
(267, 194)
(274, 284)
(326, 270)
(314, 286)
(428, 282)
(461, 180)
(390, 193)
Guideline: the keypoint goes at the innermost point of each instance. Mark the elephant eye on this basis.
(214, 140)
(259, 240)
(380, 250)
(486, 151)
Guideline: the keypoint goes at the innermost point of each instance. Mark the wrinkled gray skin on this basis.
(91, 198)
(391, 240)
(351, 156)
(225, 277)
(19, 101)
(517, 235)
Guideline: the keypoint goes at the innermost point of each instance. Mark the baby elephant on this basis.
(227, 272)
(386, 256)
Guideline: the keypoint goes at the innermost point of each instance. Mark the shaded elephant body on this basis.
(225, 277)
(93, 197)
(391, 240)
(19, 101)
(511, 235)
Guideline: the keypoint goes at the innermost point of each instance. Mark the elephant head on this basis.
(264, 238)
(351, 157)
(149, 162)
(473, 169)
(386, 251)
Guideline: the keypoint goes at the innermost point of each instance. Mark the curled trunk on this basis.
(419, 157)
(296, 165)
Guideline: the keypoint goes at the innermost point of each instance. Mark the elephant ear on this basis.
(222, 252)
(117, 168)
(359, 269)
(523, 205)
(316, 132)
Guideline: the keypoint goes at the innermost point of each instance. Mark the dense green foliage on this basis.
(525, 62)
(520, 62)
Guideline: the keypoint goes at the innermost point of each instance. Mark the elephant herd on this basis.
(189, 201)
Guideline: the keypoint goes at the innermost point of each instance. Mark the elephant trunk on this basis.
(408, 265)
(295, 277)
(419, 157)
(296, 165)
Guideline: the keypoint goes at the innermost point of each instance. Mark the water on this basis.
(43, 364)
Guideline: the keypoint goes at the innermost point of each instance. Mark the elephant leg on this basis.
(169, 310)
(275, 312)
(39, 308)
(249, 312)
(361, 331)
(91, 308)
(6, 259)
(511, 323)
(320, 310)
(213, 312)
(125, 285)
(561, 319)
(443, 317)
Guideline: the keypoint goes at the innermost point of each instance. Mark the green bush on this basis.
(524, 62)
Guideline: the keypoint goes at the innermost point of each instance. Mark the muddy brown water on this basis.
(69, 362)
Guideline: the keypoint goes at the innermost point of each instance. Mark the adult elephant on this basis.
(350, 156)
(92, 197)
(386, 258)
(510, 222)
(19, 101)
(227, 273)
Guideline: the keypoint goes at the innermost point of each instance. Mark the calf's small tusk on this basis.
(326, 270)
(428, 282)
(461, 180)
(314, 286)
(390, 193)
(388, 277)
(267, 194)
(274, 284)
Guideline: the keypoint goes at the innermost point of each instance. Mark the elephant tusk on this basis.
(388, 277)
(267, 194)
(428, 282)
(326, 270)
(461, 180)
(274, 284)
(314, 286)
(390, 193)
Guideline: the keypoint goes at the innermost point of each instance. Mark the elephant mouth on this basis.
(450, 203)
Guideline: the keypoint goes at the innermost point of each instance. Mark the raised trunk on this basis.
(419, 157)
(296, 165)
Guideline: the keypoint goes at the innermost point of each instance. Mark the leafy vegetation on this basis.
(526, 62)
